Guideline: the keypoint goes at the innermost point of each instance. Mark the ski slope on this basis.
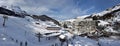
(22, 30)
(19, 30)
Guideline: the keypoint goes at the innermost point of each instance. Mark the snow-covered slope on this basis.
(21, 30)
(108, 42)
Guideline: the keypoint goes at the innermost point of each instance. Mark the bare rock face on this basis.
(9, 12)
(6, 11)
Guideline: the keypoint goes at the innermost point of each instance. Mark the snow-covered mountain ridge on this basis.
(109, 17)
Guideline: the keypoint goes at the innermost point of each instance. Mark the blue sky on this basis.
(62, 9)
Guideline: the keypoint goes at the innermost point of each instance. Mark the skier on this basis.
(20, 43)
(16, 41)
(26, 43)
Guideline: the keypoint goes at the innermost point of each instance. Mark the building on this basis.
(53, 28)
(81, 26)
(85, 27)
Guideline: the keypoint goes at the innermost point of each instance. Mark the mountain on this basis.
(13, 11)
(111, 15)
(21, 29)
(106, 21)
(6, 11)
(45, 18)
(18, 12)
(107, 14)
(16, 9)
(27, 31)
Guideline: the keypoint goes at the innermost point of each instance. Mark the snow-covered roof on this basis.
(62, 36)
(102, 23)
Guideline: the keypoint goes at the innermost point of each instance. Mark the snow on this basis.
(16, 9)
(78, 18)
(109, 42)
(62, 36)
(25, 29)
(110, 29)
(102, 23)
(68, 35)
(70, 20)
(82, 17)
(3, 38)
(22, 30)
(107, 24)
(107, 11)
(115, 37)
(81, 41)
